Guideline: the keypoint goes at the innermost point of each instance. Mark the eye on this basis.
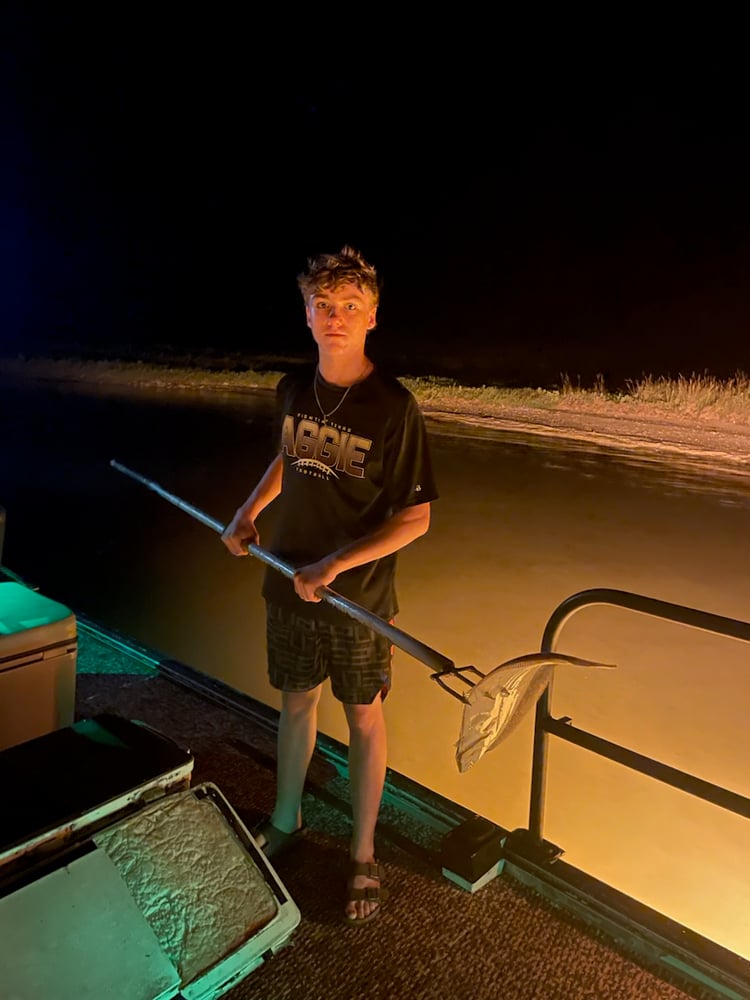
(352, 306)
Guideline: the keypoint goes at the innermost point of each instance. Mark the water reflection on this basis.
(522, 523)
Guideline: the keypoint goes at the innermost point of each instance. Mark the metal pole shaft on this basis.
(404, 641)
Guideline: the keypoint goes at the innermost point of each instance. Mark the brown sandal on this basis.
(373, 893)
(273, 841)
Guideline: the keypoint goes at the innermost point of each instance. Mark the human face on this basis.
(340, 319)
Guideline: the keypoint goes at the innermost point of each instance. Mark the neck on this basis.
(344, 371)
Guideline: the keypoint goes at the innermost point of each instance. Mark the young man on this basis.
(353, 485)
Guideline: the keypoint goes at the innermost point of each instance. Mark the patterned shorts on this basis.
(303, 652)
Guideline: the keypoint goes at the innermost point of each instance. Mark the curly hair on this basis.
(329, 270)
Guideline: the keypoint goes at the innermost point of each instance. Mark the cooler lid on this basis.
(30, 621)
(92, 769)
(77, 934)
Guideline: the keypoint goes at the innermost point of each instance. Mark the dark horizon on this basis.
(528, 222)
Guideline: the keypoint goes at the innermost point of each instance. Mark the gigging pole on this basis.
(401, 639)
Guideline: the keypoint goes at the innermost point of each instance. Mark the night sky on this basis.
(164, 178)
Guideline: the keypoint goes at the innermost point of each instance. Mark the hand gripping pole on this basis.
(395, 635)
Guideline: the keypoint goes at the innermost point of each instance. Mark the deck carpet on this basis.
(433, 940)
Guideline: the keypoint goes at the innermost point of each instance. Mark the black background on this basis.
(534, 207)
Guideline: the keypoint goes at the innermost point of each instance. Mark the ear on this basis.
(308, 317)
(372, 318)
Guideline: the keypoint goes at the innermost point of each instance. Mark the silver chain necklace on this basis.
(317, 398)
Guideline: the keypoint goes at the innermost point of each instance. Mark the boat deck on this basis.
(434, 938)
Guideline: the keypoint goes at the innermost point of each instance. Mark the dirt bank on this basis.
(713, 445)
(660, 434)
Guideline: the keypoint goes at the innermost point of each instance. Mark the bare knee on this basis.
(300, 704)
(365, 719)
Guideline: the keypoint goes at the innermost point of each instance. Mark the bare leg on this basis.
(367, 765)
(295, 744)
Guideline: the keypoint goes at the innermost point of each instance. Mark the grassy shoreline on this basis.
(696, 397)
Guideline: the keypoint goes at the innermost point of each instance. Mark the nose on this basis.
(334, 315)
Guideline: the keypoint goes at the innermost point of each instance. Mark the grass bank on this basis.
(697, 396)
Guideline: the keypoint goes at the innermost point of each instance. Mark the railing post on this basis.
(539, 769)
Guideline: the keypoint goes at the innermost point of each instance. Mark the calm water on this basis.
(521, 525)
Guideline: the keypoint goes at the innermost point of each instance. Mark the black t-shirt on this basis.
(342, 478)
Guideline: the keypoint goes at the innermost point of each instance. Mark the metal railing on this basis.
(546, 725)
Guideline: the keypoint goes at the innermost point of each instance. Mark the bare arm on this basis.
(241, 531)
(394, 534)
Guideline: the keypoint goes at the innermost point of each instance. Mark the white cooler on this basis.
(38, 648)
(120, 881)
